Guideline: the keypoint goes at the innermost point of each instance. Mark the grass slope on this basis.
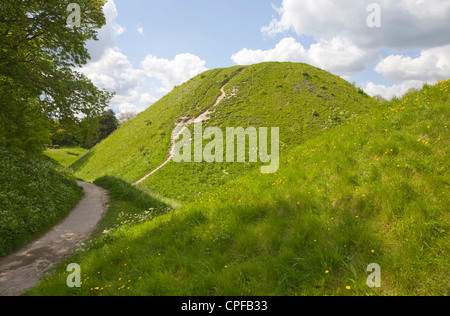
(34, 195)
(373, 191)
(142, 144)
(303, 101)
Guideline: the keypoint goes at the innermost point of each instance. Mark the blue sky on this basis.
(148, 46)
(212, 30)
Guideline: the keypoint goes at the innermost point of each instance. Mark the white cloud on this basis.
(338, 55)
(130, 108)
(107, 34)
(405, 24)
(140, 30)
(110, 69)
(346, 45)
(148, 99)
(433, 64)
(388, 92)
(173, 72)
(287, 49)
(427, 9)
(114, 72)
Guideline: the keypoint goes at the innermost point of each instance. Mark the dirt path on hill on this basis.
(181, 127)
(23, 270)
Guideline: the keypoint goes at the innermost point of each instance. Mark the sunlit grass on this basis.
(373, 191)
(66, 156)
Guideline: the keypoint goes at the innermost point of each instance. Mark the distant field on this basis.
(66, 156)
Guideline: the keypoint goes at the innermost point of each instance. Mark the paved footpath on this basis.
(23, 269)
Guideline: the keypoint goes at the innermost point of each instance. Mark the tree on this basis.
(379, 98)
(125, 117)
(22, 124)
(65, 133)
(107, 125)
(88, 132)
(39, 55)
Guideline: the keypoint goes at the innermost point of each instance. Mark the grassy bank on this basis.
(35, 194)
(373, 191)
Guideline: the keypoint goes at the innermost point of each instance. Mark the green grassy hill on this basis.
(35, 194)
(374, 190)
(303, 101)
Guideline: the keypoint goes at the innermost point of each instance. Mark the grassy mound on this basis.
(372, 191)
(34, 195)
(303, 101)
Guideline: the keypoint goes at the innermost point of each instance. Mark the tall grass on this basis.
(373, 191)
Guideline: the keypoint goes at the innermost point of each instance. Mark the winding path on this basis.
(181, 127)
(23, 270)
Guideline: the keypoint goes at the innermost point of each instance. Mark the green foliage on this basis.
(22, 124)
(38, 55)
(107, 125)
(86, 132)
(34, 195)
(63, 132)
